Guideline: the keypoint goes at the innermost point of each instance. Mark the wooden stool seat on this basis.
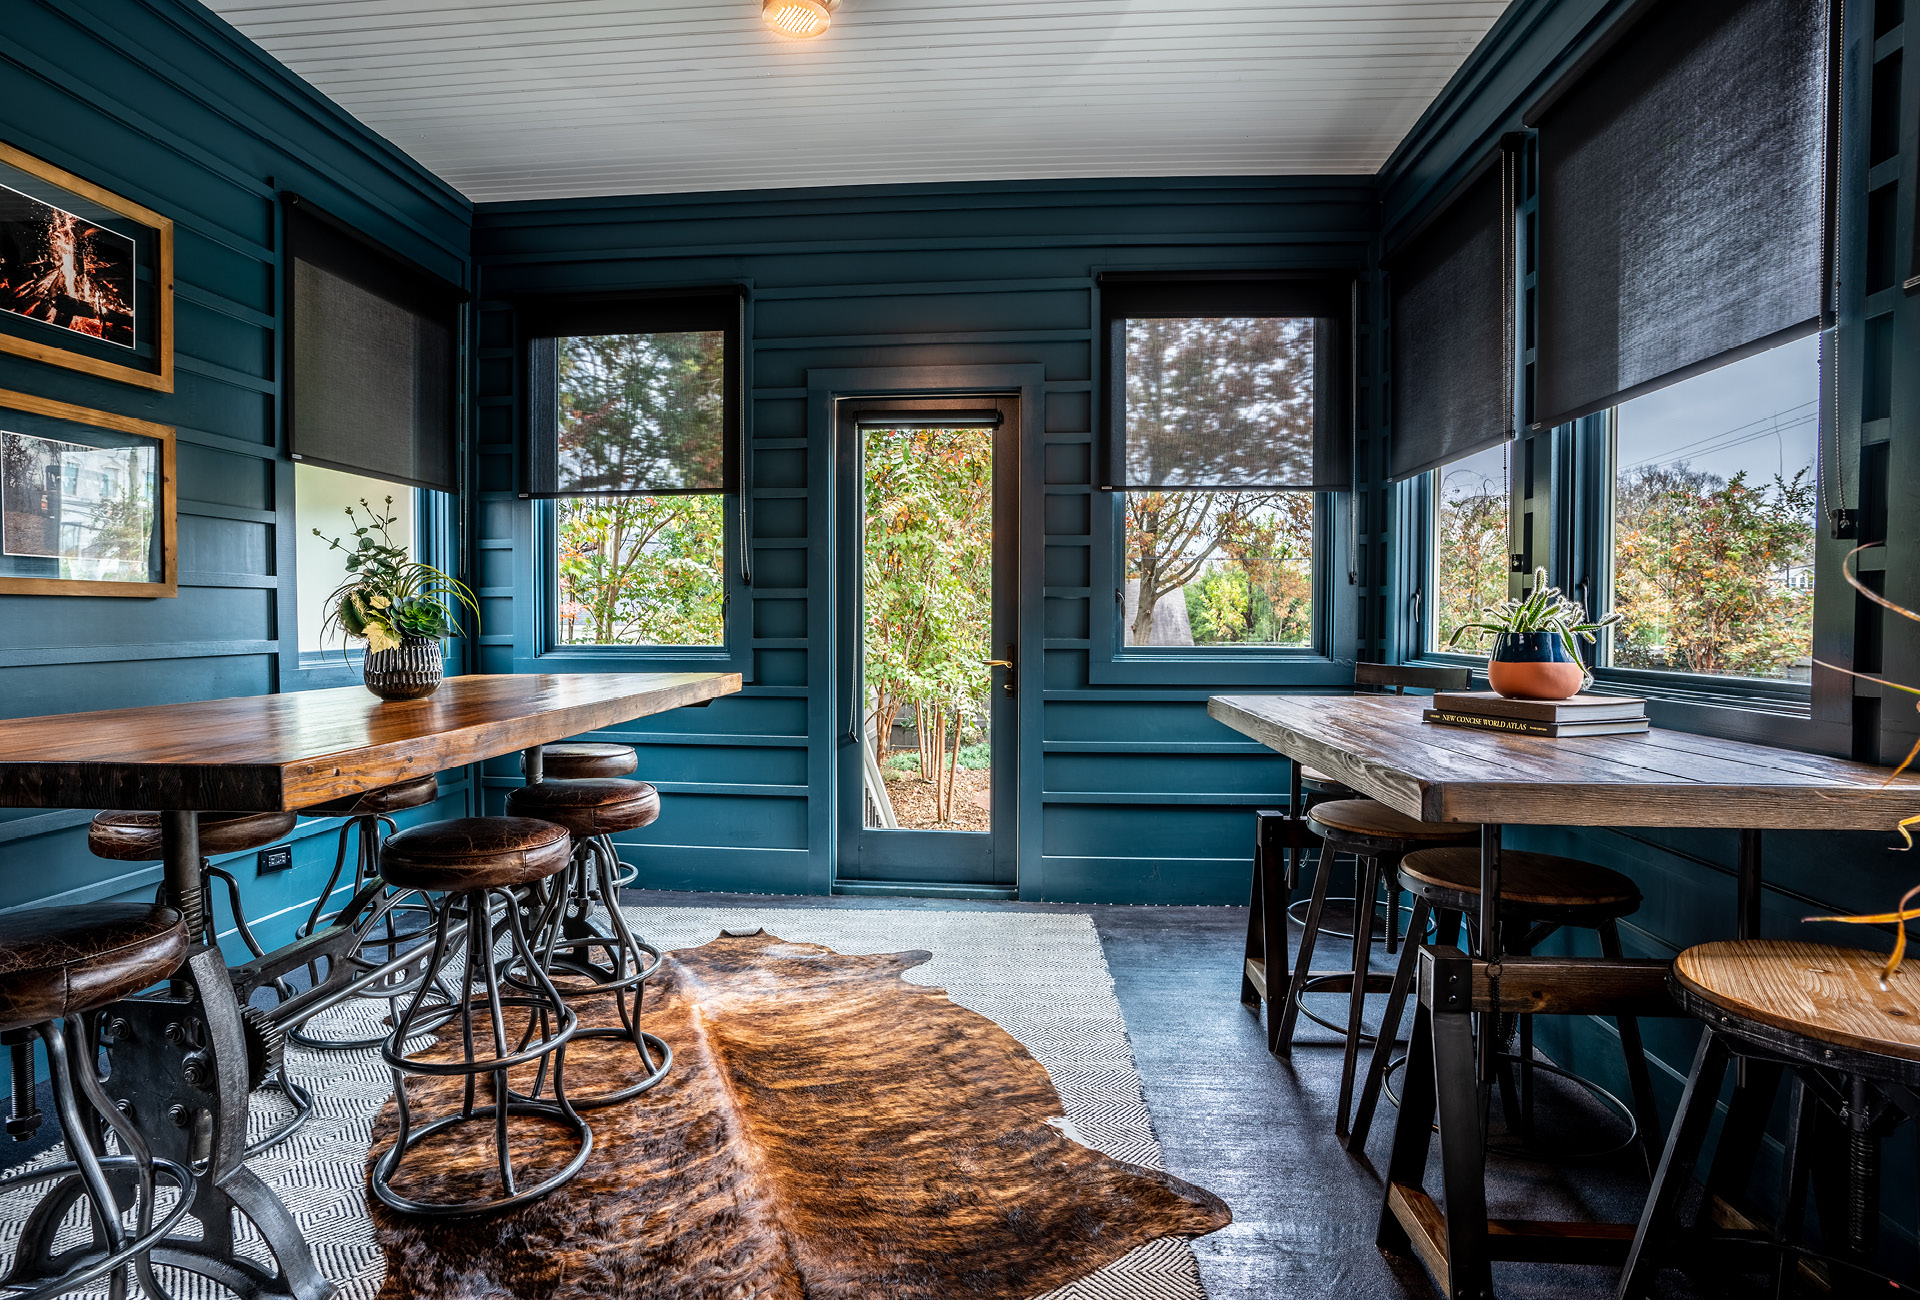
(1370, 818)
(1536, 885)
(64, 961)
(588, 808)
(388, 799)
(469, 853)
(1813, 990)
(1318, 782)
(584, 759)
(135, 836)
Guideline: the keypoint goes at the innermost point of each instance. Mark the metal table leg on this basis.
(182, 1062)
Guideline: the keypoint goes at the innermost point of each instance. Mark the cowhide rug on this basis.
(829, 1131)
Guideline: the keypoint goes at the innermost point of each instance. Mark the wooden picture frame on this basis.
(29, 424)
(146, 357)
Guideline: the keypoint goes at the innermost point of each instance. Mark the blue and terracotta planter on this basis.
(1533, 666)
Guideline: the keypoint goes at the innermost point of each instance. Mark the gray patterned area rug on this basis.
(1042, 978)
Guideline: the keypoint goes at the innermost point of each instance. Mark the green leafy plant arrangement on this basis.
(390, 595)
(1543, 609)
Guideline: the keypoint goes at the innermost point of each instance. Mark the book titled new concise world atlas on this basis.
(1582, 715)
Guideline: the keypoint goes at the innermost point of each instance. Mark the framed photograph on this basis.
(86, 277)
(87, 502)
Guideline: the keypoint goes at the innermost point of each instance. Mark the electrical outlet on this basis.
(277, 858)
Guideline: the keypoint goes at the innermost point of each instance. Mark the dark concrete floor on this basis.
(1259, 1132)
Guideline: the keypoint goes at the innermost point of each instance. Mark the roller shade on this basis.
(1450, 289)
(633, 397)
(1682, 188)
(371, 357)
(1230, 384)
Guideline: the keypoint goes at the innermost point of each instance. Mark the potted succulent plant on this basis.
(401, 607)
(1535, 652)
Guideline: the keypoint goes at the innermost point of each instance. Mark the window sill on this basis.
(1219, 666)
(638, 658)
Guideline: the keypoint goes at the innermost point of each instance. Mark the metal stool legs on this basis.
(110, 1184)
(567, 941)
(372, 913)
(542, 1045)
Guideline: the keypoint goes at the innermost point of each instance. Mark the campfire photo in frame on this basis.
(86, 277)
(86, 502)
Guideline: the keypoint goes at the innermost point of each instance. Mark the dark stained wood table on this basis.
(274, 753)
(1379, 746)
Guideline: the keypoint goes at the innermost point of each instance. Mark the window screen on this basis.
(1228, 384)
(633, 398)
(1452, 390)
(1682, 185)
(371, 371)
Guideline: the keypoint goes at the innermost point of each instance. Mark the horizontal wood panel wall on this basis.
(1146, 798)
(160, 102)
(1688, 876)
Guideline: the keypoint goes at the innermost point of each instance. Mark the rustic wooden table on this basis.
(1379, 746)
(275, 753)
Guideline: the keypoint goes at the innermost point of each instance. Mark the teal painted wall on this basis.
(165, 104)
(1145, 798)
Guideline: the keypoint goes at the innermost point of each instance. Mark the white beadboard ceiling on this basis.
(526, 99)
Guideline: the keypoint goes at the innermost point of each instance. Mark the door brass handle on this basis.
(998, 663)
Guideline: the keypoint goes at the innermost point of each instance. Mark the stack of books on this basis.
(1583, 715)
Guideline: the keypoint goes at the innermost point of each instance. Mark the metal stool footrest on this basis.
(568, 938)
(550, 1025)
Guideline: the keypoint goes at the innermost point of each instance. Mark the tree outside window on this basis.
(1714, 520)
(1218, 401)
(1470, 514)
(642, 569)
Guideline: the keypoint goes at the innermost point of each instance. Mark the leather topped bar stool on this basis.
(566, 932)
(128, 836)
(1539, 894)
(479, 864)
(59, 968)
(585, 760)
(580, 760)
(1378, 838)
(1816, 1013)
(371, 903)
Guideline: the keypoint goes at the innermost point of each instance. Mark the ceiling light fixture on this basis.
(801, 19)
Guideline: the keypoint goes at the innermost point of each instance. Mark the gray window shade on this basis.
(634, 397)
(1682, 179)
(371, 368)
(1228, 384)
(1451, 337)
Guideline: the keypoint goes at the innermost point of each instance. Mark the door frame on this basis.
(827, 731)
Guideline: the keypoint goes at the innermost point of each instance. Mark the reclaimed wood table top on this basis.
(1378, 745)
(290, 751)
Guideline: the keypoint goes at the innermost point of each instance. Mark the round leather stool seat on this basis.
(135, 836)
(388, 799)
(588, 808)
(1810, 990)
(1372, 820)
(62, 961)
(1539, 886)
(584, 760)
(475, 853)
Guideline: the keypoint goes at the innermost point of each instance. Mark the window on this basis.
(640, 570)
(1224, 421)
(1468, 547)
(320, 500)
(634, 423)
(1712, 520)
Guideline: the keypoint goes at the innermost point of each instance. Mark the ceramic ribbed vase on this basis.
(410, 672)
